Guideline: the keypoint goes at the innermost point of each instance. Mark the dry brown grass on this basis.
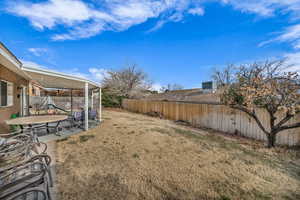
(132, 156)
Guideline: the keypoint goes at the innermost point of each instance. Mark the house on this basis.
(187, 95)
(13, 87)
(15, 80)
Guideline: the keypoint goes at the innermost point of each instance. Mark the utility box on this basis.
(209, 87)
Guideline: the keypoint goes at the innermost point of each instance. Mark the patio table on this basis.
(38, 120)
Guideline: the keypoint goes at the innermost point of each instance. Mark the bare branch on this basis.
(251, 114)
(284, 120)
(291, 126)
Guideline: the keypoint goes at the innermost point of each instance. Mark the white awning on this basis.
(52, 79)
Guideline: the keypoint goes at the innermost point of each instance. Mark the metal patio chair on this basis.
(78, 118)
(30, 193)
(23, 148)
(24, 167)
(43, 158)
(29, 137)
(92, 114)
(15, 149)
(22, 177)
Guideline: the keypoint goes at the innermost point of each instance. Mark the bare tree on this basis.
(128, 82)
(171, 87)
(224, 77)
(268, 86)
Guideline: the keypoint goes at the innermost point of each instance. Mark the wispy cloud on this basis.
(84, 19)
(291, 34)
(196, 11)
(98, 74)
(270, 8)
(38, 51)
(48, 14)
(294, 60)
(176, 17)
(266, 8)
(27, 63)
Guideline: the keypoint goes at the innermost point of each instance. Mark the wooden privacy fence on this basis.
(217, 117)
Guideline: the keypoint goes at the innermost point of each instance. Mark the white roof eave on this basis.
(59, 75)
(16, 66)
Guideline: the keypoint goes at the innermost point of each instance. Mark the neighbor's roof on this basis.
(51, 79)
(10, 61)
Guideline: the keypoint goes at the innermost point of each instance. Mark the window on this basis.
(6, 93)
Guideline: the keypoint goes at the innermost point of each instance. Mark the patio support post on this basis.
(100, 104)
(86, 107)
(92, 100)
(27, 98)
(72, 102)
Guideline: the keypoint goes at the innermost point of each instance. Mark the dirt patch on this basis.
(132, 156)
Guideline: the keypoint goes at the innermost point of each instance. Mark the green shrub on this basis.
(111, 100)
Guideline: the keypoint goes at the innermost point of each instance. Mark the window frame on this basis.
(12, 100)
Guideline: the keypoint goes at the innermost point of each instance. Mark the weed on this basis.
(146, 150)
(131, 132)
(223, 197)
(84, 138)
(261, 195)
(188, 133)
(160, 130)
(135, 155)
(63, 139)
(72, 142)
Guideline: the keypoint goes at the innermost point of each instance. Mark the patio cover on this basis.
(52, 79)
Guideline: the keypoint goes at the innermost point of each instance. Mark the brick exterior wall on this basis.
(5, 112)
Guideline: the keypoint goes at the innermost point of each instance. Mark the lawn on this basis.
(132, 156)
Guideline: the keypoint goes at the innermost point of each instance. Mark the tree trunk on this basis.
(271, 140)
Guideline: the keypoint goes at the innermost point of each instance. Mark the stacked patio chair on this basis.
(24, 167)
(93, 114)
(78, 118)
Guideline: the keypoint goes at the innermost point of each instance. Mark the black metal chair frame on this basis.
(29, 175)
(14, 183)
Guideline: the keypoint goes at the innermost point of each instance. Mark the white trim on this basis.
(8, 57)
(86, 106)
(92, 100)
(58, 74)
(23, 101)
(17, 65)
(100, 106)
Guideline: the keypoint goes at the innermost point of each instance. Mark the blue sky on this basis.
(174, 41)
